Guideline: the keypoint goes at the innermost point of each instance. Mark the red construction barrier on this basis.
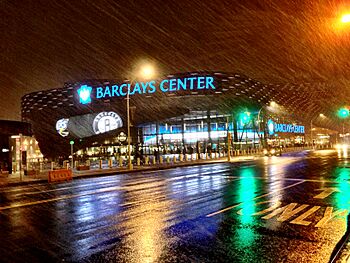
(60, 175)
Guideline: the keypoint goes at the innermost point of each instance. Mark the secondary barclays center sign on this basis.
(274, 128)
(86, 92)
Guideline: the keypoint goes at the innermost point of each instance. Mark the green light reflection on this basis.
(342, 198)
(246, 195)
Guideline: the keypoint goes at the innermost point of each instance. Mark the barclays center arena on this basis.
(187, 112)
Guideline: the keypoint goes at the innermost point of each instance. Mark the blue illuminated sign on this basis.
(273, 128)
(166, 85)
(84, 94)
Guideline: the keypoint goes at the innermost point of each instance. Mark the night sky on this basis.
(45, 43)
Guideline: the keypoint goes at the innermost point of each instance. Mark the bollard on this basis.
(52, 165)
(65, 165)
(206, 156)
(100, 164)
(160, 159)
(88, 163)
(138, 161)
(167, 159)
(110, 163)
(181, 157)
(154, 161)
(197, 156)
(146, 160)
(186, 157)
(120, 162)
(40, 167)
(174, 159)
(216, 155)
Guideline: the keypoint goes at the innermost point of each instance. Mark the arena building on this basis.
(187, 112)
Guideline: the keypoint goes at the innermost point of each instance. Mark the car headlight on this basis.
(273, 151)
(265, 151)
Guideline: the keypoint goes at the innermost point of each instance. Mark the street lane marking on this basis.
(290, 210)
(328, 215)
(65, 197)
(287, 212)
(65, 188)
(327, 191)
(258, 197)
(300, 219)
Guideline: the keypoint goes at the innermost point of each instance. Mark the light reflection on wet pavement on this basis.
(274, 209)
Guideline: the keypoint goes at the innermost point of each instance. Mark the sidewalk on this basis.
(15, 179)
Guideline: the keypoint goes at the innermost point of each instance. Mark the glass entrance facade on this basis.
(198, 132)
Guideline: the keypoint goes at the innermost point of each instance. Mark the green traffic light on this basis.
(343, 113)
(245, 117)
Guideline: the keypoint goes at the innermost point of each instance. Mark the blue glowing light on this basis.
(84, 93)
(271, 127)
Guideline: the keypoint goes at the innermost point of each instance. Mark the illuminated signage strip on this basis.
(86, 92)
(281, 127)
(273, 128)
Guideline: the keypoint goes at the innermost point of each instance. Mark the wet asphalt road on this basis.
(274, 209)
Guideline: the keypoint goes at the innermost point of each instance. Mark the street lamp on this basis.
(320, 115)
(345, 18)
(343, 113)
(145, 71)
(260, 137)
(273, 105)
(71, 152)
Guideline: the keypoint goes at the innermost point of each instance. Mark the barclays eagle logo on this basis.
(84, 93)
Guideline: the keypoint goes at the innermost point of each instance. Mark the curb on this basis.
(102, 172)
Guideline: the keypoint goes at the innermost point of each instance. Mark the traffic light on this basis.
(343, 113)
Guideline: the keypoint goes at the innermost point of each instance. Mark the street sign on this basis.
(71, 142)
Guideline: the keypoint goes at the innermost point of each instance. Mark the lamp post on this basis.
(128, 124)
(260, 137)
(146, 71)
(311, 128)
(71, 152)
(20, 157)
(273, 106)
(343, 113)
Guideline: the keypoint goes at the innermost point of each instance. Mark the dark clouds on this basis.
(45, 43)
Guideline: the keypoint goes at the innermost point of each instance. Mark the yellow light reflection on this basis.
(146, 220)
